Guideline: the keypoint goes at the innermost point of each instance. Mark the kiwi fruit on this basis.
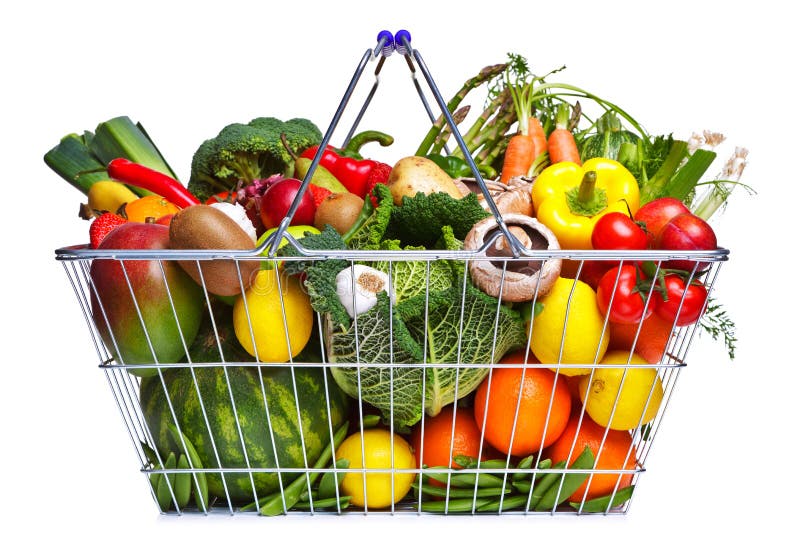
(202, 227)
(339, 210)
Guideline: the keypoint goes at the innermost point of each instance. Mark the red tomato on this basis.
(693, 303)
(617, 231)
(593, 270)
(626, 300)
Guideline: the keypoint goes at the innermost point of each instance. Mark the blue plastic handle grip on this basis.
(399, 41)
(388, 42)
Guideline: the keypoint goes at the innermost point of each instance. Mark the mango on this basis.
(149, 321)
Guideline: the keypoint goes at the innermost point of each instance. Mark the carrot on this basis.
(536, 132)
(561, 144)
(517, 159)
(519, 153)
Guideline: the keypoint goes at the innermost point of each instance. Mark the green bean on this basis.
(370, 421)
(454, 505)
(183, 483)
(508, 503)
(320, 504)
(604, 503)
(274, 504)
(166, 483)
(525, 463)
(200, 481)
(468, 462)
(541, 485)
(467, 480)
(306, 496)
(149, 453)
(330, 480)
(457, 493)
(560, 492)
(522, 486)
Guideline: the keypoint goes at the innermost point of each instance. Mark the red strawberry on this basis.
(102, 225)
(319, 194)
(379, 175)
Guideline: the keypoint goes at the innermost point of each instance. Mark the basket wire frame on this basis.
(125, 385)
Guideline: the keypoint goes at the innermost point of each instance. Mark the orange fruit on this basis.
(616, 452)
(537, 391)
(653, 338)
(438, 431)
(148, 206)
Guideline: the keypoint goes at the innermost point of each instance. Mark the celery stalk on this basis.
(655, 186)
(685, 180)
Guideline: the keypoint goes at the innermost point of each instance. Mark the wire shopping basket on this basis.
(257, 403)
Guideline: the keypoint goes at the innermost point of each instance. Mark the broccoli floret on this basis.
(247, 152)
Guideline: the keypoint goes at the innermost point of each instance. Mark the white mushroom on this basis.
(524, 278)
(358, 287)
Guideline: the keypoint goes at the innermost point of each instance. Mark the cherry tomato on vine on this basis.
(627, 300)
(617, 231)
(690, 309)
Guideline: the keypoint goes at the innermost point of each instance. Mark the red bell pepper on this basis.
(347, 165)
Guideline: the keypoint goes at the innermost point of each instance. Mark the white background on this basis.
(724, 457)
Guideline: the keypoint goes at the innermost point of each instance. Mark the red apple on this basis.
(686, 232)
(279, 197)
(656, 213)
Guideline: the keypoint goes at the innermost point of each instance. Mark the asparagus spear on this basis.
(486, 74)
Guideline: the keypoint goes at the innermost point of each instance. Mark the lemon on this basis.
(381, 452)
(266, 301)
(637, 398)
(584, 338)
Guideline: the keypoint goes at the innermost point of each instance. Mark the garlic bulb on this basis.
(358, 287)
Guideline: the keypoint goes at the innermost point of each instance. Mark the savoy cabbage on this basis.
(419, 353)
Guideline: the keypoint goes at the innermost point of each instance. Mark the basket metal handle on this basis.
(401, 42)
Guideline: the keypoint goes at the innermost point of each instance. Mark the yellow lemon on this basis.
(569, 316)
(271, 297)
(634, 388)
(383, 453)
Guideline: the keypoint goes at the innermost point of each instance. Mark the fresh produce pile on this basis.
(510, 408)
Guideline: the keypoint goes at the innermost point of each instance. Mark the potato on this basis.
(415, 174)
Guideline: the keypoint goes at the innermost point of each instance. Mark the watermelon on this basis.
(265, 416)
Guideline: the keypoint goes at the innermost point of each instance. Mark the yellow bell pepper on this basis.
(569, 198)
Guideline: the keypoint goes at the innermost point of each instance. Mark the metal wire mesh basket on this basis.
(218, 430)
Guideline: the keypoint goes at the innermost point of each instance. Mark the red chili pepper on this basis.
(130, 173)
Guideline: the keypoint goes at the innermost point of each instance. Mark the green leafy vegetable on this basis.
(436, 318)
(420, 219)
(368, 230)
